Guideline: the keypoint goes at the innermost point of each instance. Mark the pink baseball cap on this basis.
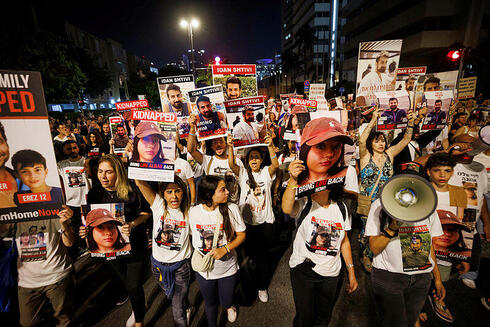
(99, 216)
(298, 109)
(321, 129)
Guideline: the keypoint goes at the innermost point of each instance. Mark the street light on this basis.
(193, 23)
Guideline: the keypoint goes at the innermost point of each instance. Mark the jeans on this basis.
(314, 296)
(258, 243)
(60, 295)
(400, 297)
(214, 290)
(181, 290)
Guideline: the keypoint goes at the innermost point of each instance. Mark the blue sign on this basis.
(342, 90)
(307, 83)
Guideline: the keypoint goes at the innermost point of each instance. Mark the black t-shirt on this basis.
(132, 209)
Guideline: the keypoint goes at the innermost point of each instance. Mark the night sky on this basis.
(242, 31)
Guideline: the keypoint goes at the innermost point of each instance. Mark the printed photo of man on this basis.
(394, 115)
(375, 81)
(415, 256)
(233, 88)
(208, 119)
(437, 116)
(248, 130)
(176, 101)
(8, 184)
(121, 138)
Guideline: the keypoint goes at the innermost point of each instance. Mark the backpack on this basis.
(307, 208)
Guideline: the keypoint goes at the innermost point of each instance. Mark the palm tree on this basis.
(305, 39)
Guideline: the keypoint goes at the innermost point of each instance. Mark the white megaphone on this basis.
(408, 198)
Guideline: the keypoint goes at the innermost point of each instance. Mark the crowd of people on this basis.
(224, 208)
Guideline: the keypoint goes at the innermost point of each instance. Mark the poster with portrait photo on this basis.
(395, 106)
(30, 189)
(457, 241)
(300, 116)
(325, 237)
(153, 156)
(376, 69)
(124, 108)
(118, 133)
(174, 97)
(438, 104)
(246, 121)
(442, 81)
(406, 78)
(415, 242)
(105, 237)
(239, 81)
(208, 106)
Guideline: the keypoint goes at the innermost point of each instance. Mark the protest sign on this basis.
(395, 105)
(118, 133)
(467, 87)
(26, 151)
(438, 104)
(336, 103)
(246, 121)
(376, 69)
(309, 104)
(153, 156)
(174, 97)
(207, 104)
(239, 81)
(407, 77)
(124, 108)
(434, 82)
(299, 117)
(325, 184)
(105, 238)
(317, 93)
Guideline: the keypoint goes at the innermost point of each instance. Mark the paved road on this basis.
(351, 310)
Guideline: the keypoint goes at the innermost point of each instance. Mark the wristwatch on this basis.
(385, 233)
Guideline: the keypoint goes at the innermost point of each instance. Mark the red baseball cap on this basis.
(298, 109)
(449, 218)
(321, 129)
(99, 216)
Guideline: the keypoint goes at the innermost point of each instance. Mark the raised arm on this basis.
(231, 156)
(394, 150)
(274, 162)
(289, 204)
(146, 191)
(192, 141)
(365, 134)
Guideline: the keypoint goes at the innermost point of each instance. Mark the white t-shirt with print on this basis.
(468, 176)
(212, 165)
(203, 224)
(183, 169)
(195, 166)
(256, 204)
(42, 259)
(485, 161)
(170, 241)
(75, 181)
(319, 238)
(391, 258)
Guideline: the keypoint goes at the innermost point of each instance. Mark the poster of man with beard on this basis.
(376, 69)
(173, 95)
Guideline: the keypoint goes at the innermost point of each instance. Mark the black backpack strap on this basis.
(305, 211)
(343, 209)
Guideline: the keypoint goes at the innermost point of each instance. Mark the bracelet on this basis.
(292, 187)
(410, 127)
(132, 224)
(227, 248)
(385, 233)
(193, 134)
(350, 265)
(273, 157)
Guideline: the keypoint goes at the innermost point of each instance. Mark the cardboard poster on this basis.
(119, 134)
(208, 105)
(124, 108)
(327, 183)
(246, 121)
(395, 105)
(239, 81)
(458, 226)
(310, 105)
(336, 103)
(105, 238)
(438, 104)
(31, 187)
(376, 69)
(174, 97)
(467, 88)
(153, 157)
(442, 81)
(406, 78)
(298, 119)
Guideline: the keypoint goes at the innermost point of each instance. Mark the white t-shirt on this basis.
(218, 167)
(183, 169)
(485, 161)
(196, 167)
(245, 132)
(42, 259)
(256, 204)
(75, 181)
(351, 182)
(471, 177)
(372, 83)
(319, 238)
(170, 241)
(203, 224)
(398, 256)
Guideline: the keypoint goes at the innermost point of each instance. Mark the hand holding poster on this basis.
(246, 121)
(210, 112)
(30, 185)
(395, 105)
(173, 95)
(119, 134)
(153, 156)
(438, 103)
(239, 81)
(105, 237)
(376, 69)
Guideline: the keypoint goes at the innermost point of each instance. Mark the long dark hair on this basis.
(185, 203)
(337, 191)
(93, 246)
(159, 157)
(251, 180)
(374, 136)
(205, 193)
(98, 138)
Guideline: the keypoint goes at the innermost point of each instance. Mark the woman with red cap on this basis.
(315, 267)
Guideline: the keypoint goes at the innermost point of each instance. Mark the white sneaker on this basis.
(188, 314)
(263, 296)
(131, 321)
(468, 282)
(232, 313)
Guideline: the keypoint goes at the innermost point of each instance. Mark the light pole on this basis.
(189, 25)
